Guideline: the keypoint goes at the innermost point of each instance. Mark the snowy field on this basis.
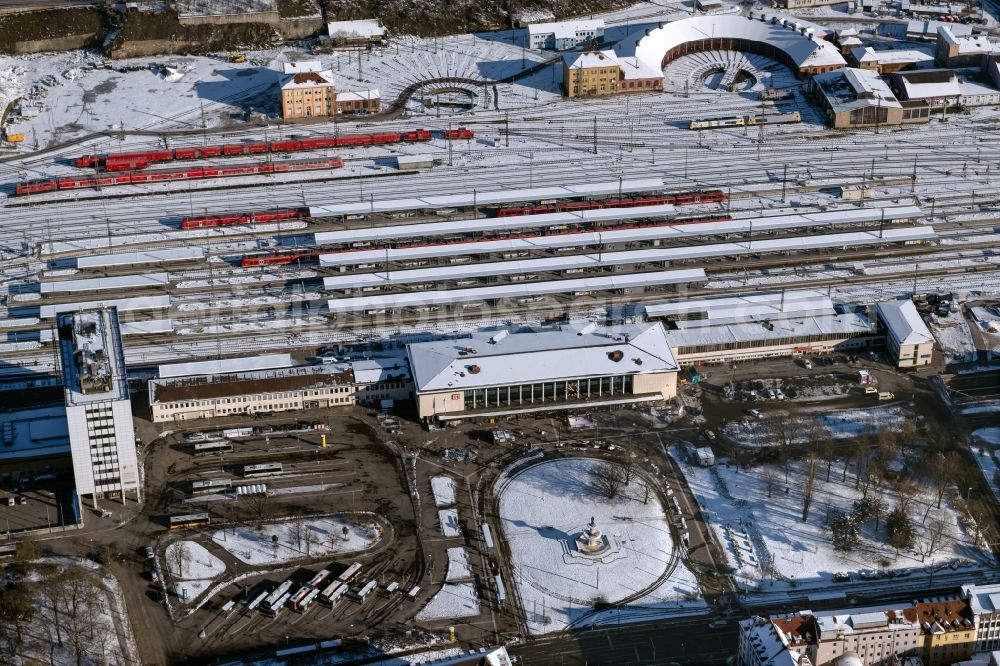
(308, 538)
(954, 337)
(90, 624)
(840, 424)
(451, 602)
(444, 490)
(545, 507)
(458, 565)
(770, 546)
(449, 522)
(192, 567)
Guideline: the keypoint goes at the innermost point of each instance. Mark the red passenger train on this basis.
(244, 218)
(141, 160)
(189, 173)
(679, 199)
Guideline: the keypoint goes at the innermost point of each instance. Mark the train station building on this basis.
(235, 388)
(505, 373)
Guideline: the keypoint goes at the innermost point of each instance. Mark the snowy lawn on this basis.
(192, 567)
(90, 626)
(452, 601)
(545, 507)
(308, 538)
(458, 565)
(449, 522)
(444, 490)
(762, 534)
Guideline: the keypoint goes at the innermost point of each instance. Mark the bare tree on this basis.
(53, 588)
(180, 557)
(947, 467)
(812, 464)
(259, 507)
(311, 539)
(829, 453)
(861, 448)
(907, 491)
(770, 478)
(937, 533)
(607, 479)
(297, 531)
(16, 612)
(784, 430)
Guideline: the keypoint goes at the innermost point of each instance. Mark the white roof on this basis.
(804, 51)
(904, 322)
(303, 66)
(228, 365)
(780, 329)
(928, 83)
(123, 305)
(849, 88)
(358, 95)
(511, 223)
(374, 370)
(588, 59)
(593, 259)
(140, 257)
(147, 326)
(565, 29)
(982, 598)
(891, 56)
(598, 238)
(634, 68)
(446, 296)
(746, 307)
(490, 198)
(515, 222)
(569, 352)
(308, 80)
(930, 27)
(968, 44)
(102, 283)
(360, 28)
(93, 352)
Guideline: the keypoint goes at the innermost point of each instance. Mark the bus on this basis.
(212, 448)
(189, 520)
(333, 592)
(363, 593)
(263, 469)
(350, 572)
(277, 593)
(209, 486)
(301, 602)
(275, 608)
(257, 601)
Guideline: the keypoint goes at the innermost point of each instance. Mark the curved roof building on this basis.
(789, 43)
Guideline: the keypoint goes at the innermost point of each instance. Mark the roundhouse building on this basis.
(570, 367)
(790, 43)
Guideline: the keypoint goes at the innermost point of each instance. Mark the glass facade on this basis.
(516, 395)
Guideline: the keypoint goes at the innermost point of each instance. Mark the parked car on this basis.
(755, 413)
(717, 624)
(149, 552)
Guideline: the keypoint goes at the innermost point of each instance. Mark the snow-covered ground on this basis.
(453, 600)
(91, 625)
(317, 537)
(839, 424)
(545, 507)
(458, 565)
(444, 490)
(449, 522)
(954, 337)
(192, 567)
(765, 535)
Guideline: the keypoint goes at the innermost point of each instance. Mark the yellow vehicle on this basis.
(237, 57)
(15, 138)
